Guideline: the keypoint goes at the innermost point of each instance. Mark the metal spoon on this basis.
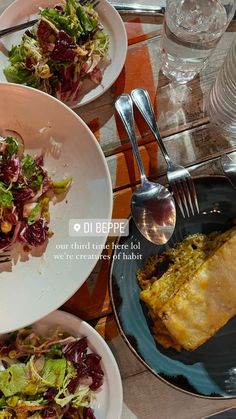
(152, 205)
(229, 168)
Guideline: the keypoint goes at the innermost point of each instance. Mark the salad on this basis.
(63, 49)
(47, 377)
(25, 193)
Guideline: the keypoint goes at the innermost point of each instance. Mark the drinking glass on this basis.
(191, 30)
(221, 104)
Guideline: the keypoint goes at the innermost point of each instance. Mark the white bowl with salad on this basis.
(52, 171)
(58, 367)
(74, 52)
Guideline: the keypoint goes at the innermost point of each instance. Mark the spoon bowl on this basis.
(153, 211)
(152, 205)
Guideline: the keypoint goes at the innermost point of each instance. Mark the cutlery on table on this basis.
(178, 176)
(139, 9)
(229, 168)
(152, 205)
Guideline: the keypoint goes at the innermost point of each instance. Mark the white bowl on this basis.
(20, 11)
(108, 399)
(37, 283)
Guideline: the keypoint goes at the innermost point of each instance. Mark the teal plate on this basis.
(210, 370)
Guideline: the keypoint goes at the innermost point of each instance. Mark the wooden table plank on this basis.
(187, 148)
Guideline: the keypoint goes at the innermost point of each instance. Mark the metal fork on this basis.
(178, 177)
(7, 31)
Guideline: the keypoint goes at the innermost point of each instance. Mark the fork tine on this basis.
(193, 193)
(177, 198)
(183, 196)
(188, 194)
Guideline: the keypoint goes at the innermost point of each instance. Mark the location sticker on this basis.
(77, 227)
(98, 227)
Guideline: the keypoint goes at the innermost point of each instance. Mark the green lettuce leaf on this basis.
(17, 54)
(2, 402)
(25, 379)
(87, 22)
(6, 197)
(15, 73)
(13, 380)
(31, 47)
(35, 214)
(28, 166)
(12, 147)
(36, 183)
(54, 372)
(101, 43)
(68, 22)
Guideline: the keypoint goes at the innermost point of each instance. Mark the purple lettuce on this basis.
(64, 49)
(75, 351)
(49, 413)
(10, 169)
(23, 195)
(35, 234)
(72, 413)
(86, 365)
(45, 35)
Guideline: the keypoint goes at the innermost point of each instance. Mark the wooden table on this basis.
(193, 142)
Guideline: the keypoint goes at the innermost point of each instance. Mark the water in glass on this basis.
(191, 30)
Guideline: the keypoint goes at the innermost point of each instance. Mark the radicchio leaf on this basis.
(35, 234)
(39, 160)
(49, 413)
(23, 195)
(64, 48)
(68, 88)
(10, 169)
(10, 215)
(75, 351)
(88, 413)
(93, 363)
(46, 36)
(87, 365)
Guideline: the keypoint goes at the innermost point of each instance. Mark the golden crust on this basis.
(163, 336)
(189, 302)
(186, 257)
(206, 303)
